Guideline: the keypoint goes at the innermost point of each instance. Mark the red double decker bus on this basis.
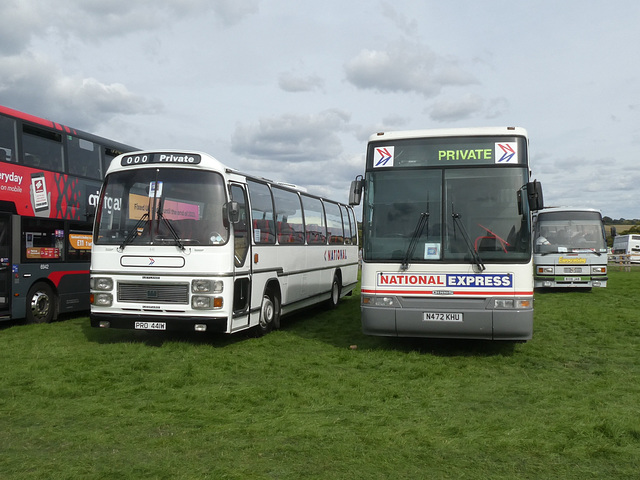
(50, 178)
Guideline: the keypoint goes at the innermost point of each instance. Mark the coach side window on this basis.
(347, 225)
(334, 223)
(315, 228)
(354, 227)
(289, 223)
(264, 226)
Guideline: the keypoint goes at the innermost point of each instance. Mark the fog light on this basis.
(104, 324)
(199, 327)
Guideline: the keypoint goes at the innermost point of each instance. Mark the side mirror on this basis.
(232, 212)
(534, 196)
(355, 192)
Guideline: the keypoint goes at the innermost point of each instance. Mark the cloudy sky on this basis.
(292, 90)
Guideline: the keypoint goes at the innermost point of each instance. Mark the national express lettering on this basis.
(499, 280)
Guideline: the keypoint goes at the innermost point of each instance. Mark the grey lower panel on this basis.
(514, 325)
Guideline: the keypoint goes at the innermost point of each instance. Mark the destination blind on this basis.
(437, 152)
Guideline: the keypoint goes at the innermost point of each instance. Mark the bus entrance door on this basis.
(242, 260)
(5, 267)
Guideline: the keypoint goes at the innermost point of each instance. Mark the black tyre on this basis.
(336, 288)
(269, 315)
(41, 303)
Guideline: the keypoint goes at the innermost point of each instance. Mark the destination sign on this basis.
(434, 152)
(160, 157)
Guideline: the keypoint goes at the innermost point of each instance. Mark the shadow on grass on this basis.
(341, 328)
(106, 336)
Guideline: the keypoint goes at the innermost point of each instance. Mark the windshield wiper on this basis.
(476, 256)
(417, 233)
(134, 231)
(172, 230)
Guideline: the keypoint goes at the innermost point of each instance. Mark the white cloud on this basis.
(406, 67)
(292, 136)
(458, 109)
(38, 86)
(290, 82)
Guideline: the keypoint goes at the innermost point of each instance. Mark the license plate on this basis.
(441, 317)
(572, 279)
(150, 326)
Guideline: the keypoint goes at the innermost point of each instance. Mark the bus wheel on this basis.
(334, 299)
(40, 304)
(269, 315)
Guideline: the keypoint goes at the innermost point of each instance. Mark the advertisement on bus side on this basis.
(41, 193)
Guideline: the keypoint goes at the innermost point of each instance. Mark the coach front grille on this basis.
(176, 294)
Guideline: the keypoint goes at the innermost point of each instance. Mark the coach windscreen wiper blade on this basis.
(134, 231)
(475, 255)
(417, 233)
(172, 230)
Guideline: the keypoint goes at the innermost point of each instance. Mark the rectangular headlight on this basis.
(512, 303)
(103, 299)
(203, 285)
(204, 302)
(101, 283)
(378, 301)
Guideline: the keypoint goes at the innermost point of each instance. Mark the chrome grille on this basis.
(177, 294)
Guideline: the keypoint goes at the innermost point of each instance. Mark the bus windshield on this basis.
(472, 215)
(162, 206)
(565, 232)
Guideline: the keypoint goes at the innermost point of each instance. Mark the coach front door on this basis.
(242, 263)
(5, 264)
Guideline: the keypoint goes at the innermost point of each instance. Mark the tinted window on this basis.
(289, 221)
(314, 220)
(264, 227)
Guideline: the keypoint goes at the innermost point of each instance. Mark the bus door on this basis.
(242, 259)
(5, 265)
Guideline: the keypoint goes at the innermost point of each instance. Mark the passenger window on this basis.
(8, 140)
(346, 224)
(79, 243)
(315, 228)
(264, 227)
(42, 240)
(84, 157)
(289, 223)
(334, 223)
(42, 148)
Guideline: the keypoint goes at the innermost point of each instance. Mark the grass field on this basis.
(77, 402)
